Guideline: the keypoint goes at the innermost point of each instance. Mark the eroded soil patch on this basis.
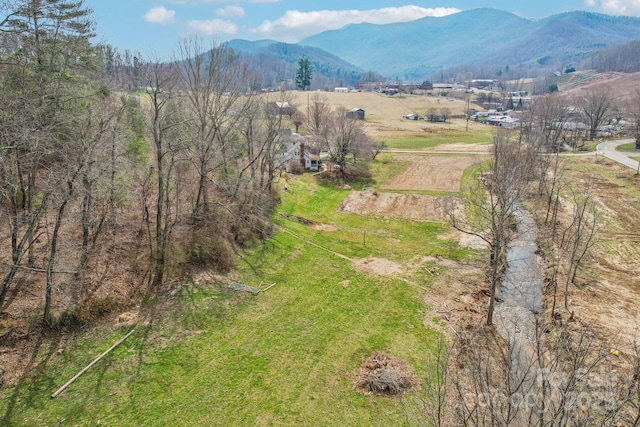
(432, 173)
(393, 205)
(380, 266)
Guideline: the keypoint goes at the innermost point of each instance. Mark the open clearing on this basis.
(423, 173)
(609, 287)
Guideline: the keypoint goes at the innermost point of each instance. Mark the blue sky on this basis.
(153, 27)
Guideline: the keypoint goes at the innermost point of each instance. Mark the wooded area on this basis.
(110, 160)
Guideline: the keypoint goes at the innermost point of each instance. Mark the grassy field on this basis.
(285, 357)
(445, 134)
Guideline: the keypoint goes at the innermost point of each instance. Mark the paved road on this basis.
(608, 149)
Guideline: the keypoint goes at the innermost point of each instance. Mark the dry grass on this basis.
(385, 114)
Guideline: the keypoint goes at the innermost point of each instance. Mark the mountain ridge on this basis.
(488, 39)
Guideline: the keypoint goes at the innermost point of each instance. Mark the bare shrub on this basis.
(296, 168)
(382, 374)
(208, 244)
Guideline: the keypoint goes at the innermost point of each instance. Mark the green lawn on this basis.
(628, 148)
(284, 357)
(480, 135)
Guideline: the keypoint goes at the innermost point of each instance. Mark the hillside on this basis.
(276, 62)
(480, 41)
(481, 37)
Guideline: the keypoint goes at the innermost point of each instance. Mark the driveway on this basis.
(608, 149)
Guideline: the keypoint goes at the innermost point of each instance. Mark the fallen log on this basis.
(268, 287)
(96, 360)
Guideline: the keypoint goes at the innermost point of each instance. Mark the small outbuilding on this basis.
(356, 113)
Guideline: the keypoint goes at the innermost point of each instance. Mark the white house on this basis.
(298, 153)
(341, 90)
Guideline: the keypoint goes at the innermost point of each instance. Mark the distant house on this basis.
(298, 155)
(411, 116)
(356, 113)
(480, 83)
(281, 108)
(341, 90)
(369, 86)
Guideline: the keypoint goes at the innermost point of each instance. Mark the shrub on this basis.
(70, 318)
(102, 306)
(296, 168)
(211, 250)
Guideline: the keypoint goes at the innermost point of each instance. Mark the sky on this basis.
(154, 27)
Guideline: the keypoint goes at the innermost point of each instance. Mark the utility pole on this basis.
(466, 113)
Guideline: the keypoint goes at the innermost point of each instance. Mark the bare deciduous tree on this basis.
(165, 122)
(445, 113)
(568, 377)
(318, 114)
(595, 106)
(214, 81)
(491, 204)
(634, 117)
(347, 140)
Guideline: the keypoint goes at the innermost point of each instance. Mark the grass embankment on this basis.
(284, 357)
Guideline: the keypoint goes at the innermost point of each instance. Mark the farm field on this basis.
(384, 116)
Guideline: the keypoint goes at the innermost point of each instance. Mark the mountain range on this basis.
(481, 38)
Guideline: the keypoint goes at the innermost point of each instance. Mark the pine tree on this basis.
(303, 74)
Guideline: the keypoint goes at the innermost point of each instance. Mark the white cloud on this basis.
(160, 15)
(213, 26)
(616, 7)
(230, 11)
(220, 1)
(295, 25)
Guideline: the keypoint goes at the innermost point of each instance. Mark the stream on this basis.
(522, 285)
(521, 300)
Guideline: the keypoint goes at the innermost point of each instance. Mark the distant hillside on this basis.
(276, 62)
(624, 58)
(481, 37)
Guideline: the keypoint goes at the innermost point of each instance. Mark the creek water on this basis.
(520, 293)
(522, 285)
(520, 296)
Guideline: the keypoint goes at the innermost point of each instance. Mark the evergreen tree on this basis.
(303, 74)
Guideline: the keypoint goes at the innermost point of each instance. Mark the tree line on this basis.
(119, 168)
